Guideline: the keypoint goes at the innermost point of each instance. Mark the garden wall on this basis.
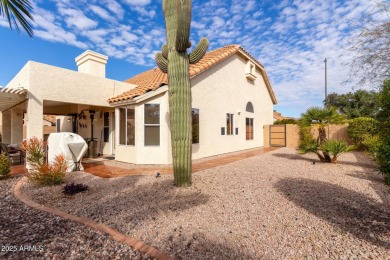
(292, 134)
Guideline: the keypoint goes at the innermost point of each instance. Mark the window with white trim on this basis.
(152, 124)
(195, 126)
(126, 126)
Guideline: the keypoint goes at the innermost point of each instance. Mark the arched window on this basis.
(249, 107)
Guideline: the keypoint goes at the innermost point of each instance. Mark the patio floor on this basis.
(98, 168)
(106, 171)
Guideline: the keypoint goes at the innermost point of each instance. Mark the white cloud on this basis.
(144, 12)
(77, 19)
(137, 2)
(101, 12)
(115, 8)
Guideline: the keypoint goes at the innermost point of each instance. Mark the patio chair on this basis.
(12, 153)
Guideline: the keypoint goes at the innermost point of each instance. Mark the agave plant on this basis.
(336, 148)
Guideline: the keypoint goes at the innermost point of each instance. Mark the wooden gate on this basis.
(277, 135)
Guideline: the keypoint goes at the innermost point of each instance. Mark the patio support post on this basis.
(34, 120)
(16, 125)
(6, 127)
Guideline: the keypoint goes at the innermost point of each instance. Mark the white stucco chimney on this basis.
(92, 63)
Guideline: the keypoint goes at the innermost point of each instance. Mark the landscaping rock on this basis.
(27, 233)
(276, 205)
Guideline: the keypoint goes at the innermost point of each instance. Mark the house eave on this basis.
(142, 98)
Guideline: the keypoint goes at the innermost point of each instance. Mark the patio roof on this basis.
(11, 97)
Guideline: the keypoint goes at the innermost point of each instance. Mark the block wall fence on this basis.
(333, 132)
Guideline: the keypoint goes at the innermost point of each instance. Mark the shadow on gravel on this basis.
(350, 211)
(199, 247)
(131, 204)
(358, 155)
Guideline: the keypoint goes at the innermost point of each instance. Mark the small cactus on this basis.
(174, 60)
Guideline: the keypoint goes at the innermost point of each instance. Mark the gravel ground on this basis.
(277, 205)
(26, 233)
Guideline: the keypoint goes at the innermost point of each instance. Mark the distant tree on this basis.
(371, 61)
(17, 12)
(361, 103)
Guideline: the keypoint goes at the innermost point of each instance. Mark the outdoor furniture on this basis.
(13, 153)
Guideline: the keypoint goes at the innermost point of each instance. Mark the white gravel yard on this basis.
(278, 205)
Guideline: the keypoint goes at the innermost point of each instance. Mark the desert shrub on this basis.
(52, 174)
(361, 128)
(383, 154)
(285, 121)
(5, 168)
(371, 145)
(336, 148)
(35, 151)
(41, 172)
(72, 188)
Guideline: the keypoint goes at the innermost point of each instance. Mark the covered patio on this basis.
(77, 99)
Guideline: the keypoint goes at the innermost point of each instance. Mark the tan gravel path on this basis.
(277, 205)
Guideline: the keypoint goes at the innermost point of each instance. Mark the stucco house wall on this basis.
(221, 89)
(139, 153)
(224, 89)
(76, 90)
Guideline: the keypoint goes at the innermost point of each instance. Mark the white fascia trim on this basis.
(142, 97)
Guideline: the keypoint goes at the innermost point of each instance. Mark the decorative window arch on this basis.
(249, 107)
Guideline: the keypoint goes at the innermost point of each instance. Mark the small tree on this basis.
(320, 117)
(369, 51)
(41, 172)
(384, 131)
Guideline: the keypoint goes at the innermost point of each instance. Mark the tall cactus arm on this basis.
(164, 51)
(184, 8)
(199, 51)
(162, 62)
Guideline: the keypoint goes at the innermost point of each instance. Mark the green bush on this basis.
(5, 168)
(285, 121)
(361, 128)
(371, 145)
(383, 154)
(41, 172)
(336, 148)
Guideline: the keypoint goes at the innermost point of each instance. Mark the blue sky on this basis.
(290, 38)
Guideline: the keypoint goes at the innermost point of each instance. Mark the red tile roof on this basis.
(153, 79)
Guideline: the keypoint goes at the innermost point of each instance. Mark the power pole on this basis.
(326, 77)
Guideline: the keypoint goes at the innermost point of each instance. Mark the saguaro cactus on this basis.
(174, 60)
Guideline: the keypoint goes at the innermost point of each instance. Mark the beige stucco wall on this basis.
(139, 153)
(225, 89)
(220, 90)
(50, 83)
